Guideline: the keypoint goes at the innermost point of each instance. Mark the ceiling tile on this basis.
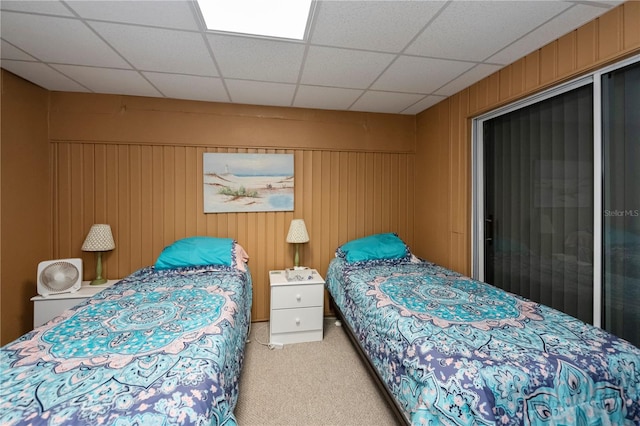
(409, 53)
(257, 59)
(102, 80)
(325, 97)
(488, 27)
(68, 41)
(47, 7)
(168, 14)
(343, 68)
(371, 25)
(467, 79)
(420, 75)
(388, 102)
(159, 49)
(566, 22)
(179, 86)
(259, 93)
(427, 102)
(42, 75)
(9, 52)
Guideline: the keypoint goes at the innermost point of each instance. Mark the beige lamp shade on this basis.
(297, 232)
(99, 239)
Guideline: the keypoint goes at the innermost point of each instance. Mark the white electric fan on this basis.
(59, 276)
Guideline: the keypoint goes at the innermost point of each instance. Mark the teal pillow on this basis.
(374, 247)
(196, 251)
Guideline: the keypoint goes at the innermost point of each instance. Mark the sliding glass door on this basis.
(538, 202)
(557, 198)
(621, 202)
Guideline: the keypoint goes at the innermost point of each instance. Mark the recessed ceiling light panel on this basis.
(268, 18)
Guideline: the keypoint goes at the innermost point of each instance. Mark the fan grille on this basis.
(59, 276)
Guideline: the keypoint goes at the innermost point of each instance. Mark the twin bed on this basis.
(450, 350)
(163, 346)
(166, 344)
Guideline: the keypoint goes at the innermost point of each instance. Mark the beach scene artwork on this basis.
(247, 182)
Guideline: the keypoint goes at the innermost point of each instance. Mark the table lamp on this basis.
(297, 234)
(99, 240)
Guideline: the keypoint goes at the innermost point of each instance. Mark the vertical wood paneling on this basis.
(567, 54)
(168, 198)
(191, 197)
(517, 77)
(54, 164)
(112, 185)
(548, 63)
(180, 222)
(532, 65)
(76, 235)
(147, 247)
(157, 184)
(123, 231)
(88, 188)
(459, 164)
(586, 37)
(361, 198)
(343, 196)
(433, 187)
(505, 83)
(63, 219)
(329, 190)
(152, 195)
(26, 217)
(135, 199)
(493, 89)
(630, 21)
(404, 188)
(610, 33)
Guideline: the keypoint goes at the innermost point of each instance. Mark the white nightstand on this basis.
(47, 308)
(297, 307)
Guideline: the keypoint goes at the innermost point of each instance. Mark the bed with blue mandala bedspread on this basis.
(451, 350)
(160, 347)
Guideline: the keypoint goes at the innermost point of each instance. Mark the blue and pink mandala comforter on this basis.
(455, 351)
(161, 347)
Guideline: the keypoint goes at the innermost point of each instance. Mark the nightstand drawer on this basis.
(297, 296)
(292, 320)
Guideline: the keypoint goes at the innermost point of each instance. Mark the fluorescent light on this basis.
(271, 18)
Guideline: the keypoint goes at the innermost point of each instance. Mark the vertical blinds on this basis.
(538, 164)
(621, 202)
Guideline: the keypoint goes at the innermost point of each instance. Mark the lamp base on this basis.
(98, 281)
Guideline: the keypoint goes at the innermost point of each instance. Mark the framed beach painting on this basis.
(247, 182)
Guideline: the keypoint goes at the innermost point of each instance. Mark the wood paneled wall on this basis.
(443, 147)
(152, 193)
(136, 163)
(25, 216)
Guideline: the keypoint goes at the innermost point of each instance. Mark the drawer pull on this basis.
(297, 321)
(298, 297)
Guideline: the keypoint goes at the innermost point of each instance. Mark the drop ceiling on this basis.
(396, 57)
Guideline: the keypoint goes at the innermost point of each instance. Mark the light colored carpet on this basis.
(308, 384)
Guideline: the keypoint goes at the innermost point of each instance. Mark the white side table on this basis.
(47, 308)
(297, 307)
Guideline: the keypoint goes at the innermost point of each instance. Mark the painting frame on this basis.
(247, 182)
